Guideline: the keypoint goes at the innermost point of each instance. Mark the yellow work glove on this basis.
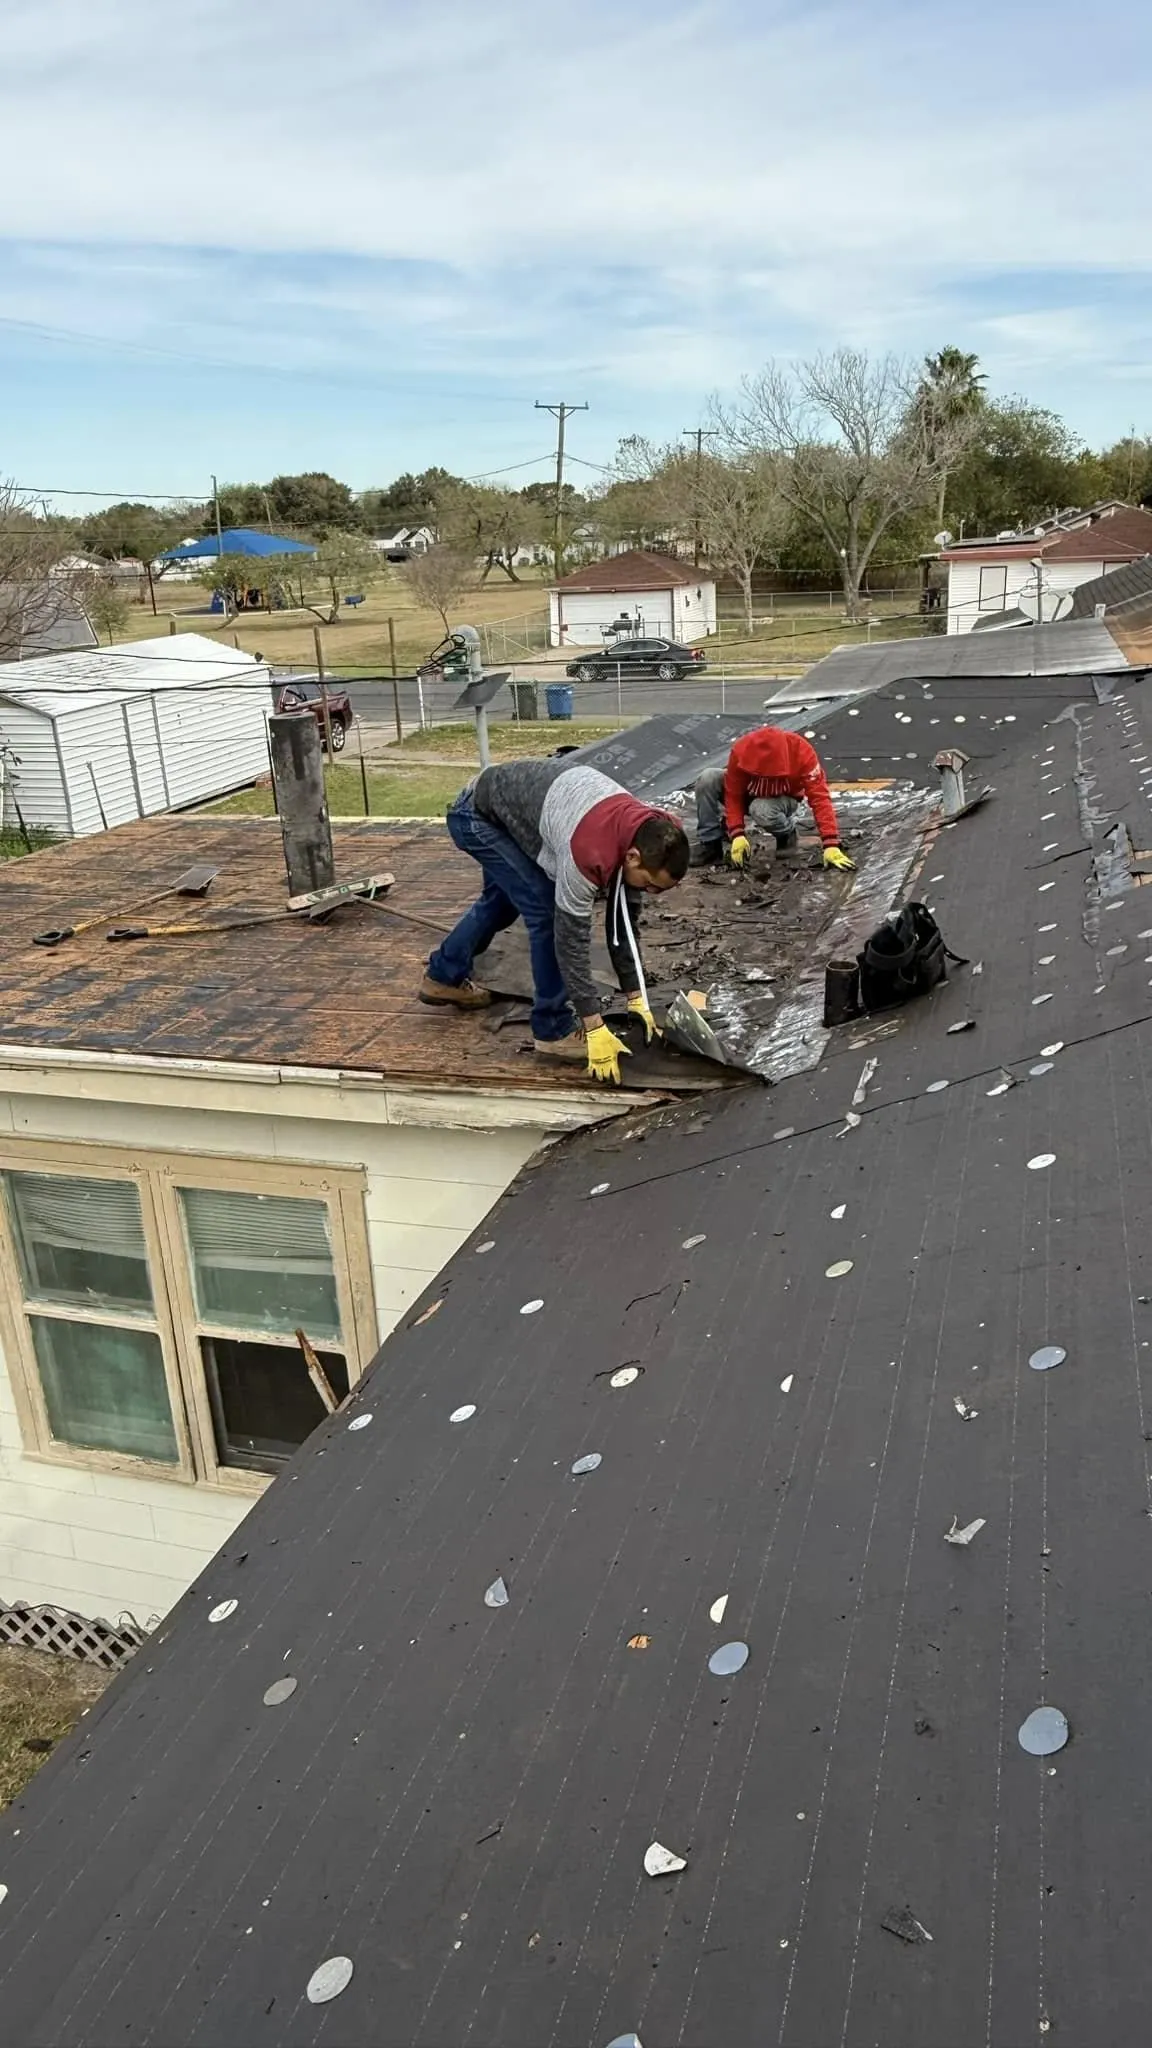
(604, 1050)
(739, 850)
(639, 1008)
(835, 857)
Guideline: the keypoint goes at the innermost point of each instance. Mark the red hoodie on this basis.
(769, 762)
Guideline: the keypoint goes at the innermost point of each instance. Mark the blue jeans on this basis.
(514, 886)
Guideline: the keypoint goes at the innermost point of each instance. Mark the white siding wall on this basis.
(97, 738)
(146, 750)
(586, 615)
(104, 1543)
(214, 738)
(964, 588)
(36, 783)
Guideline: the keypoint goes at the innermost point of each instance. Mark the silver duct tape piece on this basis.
(625, 1376)
(690, 1243)
(717, 1609)
(531, 1308)
(282, 1690)
(497, 1594)
(359, 1422)
(591, 1463)
(222, 1610)
(661, 1862)
(463, 1414)
(1041, 1160)
(838, 1270)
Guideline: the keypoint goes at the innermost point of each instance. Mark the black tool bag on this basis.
(905, 957)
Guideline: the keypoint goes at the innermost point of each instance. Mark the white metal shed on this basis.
(149, 726)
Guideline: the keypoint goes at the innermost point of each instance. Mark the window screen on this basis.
(80, 1243)
(262, 1262)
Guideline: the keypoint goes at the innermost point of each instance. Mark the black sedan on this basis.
(663, 658)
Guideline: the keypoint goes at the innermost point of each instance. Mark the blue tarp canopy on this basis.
(238, 540)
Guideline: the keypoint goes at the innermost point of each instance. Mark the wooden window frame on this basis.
(159, 1176)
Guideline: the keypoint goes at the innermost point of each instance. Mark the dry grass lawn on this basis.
(516, 616)
(41, 1698)
(359, 639)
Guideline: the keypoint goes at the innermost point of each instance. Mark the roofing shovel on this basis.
(195, 881)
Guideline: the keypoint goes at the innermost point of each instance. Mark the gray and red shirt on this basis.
(577, 825)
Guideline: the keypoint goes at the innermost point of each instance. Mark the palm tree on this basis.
(952, 387)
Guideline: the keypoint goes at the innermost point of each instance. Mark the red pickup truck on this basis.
(305, 696)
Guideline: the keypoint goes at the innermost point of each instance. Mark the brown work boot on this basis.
(574, 1047)
(468, 996)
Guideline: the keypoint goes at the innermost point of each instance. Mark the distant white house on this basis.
(652, 593)
(999, 573)
(105, 735)
(406, 541)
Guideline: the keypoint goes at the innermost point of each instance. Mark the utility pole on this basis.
(216, 505)
(559, 413)
(699, 435)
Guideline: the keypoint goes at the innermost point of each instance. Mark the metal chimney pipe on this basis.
(298, 778)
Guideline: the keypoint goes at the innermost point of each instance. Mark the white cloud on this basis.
(657, 193)
(660, 135)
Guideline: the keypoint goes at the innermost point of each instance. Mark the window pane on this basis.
(80, 1242)
(262, 1262)
(263, 1402)
(105, 1389)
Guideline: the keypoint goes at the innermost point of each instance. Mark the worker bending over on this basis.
(770, 775)
(551, 837)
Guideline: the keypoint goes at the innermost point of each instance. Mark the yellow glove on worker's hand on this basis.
(834, 857)
(604, 1050)
(739, 850)
(639, 1008)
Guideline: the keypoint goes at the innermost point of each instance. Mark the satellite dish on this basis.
(943, 540)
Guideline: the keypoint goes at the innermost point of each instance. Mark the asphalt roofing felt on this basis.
(816, 1361)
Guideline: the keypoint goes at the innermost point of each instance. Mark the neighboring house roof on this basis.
(50, 624)
(1071, 647)
(1110, 532)
(1119, 536)
(636, 570)
(1121, 591)
(458, 1798)
(60, 684)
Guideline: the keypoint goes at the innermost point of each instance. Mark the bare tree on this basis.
(39, 590)
(856, 450)
(439, 578)
(735, 504)
(743, 516)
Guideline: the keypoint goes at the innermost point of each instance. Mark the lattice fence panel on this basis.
(70, 1635)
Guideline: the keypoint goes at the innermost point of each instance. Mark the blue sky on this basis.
(275, 237)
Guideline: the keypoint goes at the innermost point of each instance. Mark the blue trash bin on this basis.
(558, 697)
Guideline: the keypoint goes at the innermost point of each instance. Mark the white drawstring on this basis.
(622, 904)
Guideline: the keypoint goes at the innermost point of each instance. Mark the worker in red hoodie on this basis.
(770, 776)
